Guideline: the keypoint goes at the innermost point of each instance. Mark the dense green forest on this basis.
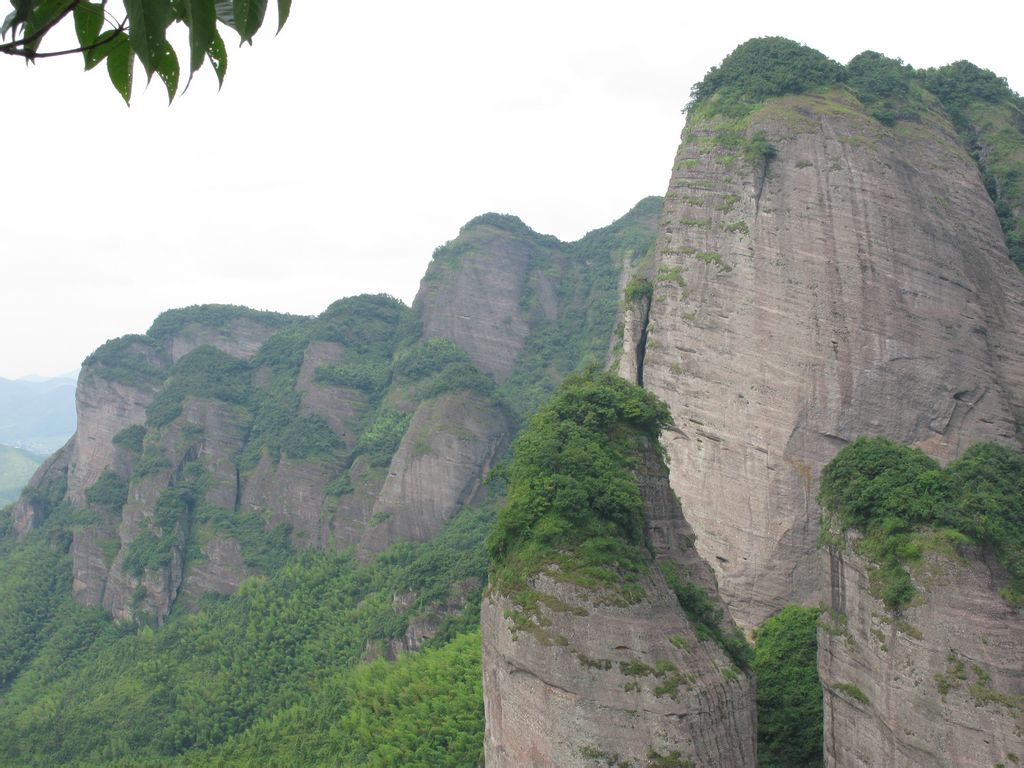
(76, 688)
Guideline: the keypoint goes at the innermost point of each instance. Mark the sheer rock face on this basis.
(342, 407)
(857, 284)
(105, 407)
(940, 685)
(446, 452)
(212, 433)
(476, 302)
(612, 684)
(240, 337)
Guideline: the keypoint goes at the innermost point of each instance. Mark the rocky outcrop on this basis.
(854, 281)
(600, 680)
(473, 291)
(448, 449)
(239, 337)
(500, 286)
(941, 684)
(342, 407)
(210, 434)
(105, 406)
(44, 490)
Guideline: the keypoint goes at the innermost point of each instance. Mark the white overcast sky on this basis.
(340, 153)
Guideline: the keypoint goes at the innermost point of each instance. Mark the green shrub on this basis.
(638, 288)
(205, 373)
(428, 357)
(572, 499)
(382, 438)
(172, 322)
(371, 378)
(760, 69)
(308, 436)
(131, 438)
(789, 695)
(894, 494)
(108, 491)
(134, 360)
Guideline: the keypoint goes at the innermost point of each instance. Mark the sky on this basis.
(340, 153)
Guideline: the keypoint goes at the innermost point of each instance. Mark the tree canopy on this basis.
(136, 30)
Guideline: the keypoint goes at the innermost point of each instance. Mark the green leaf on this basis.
(22, 10)
(218, 54)
(225, 12)
(147, 25)
(105, 43)
(88, 23)
(9, 21)
(168, 70)
(201, 17)
(249, 17)
(120, 62)
(43, 15)
(284, 7)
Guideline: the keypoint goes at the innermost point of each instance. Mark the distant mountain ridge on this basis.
(37, 414)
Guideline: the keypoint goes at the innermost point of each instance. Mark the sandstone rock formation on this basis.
(508, 295)
(942, 684)
(602, 681)
(857, 283)
(450, 445)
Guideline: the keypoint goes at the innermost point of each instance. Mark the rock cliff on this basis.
(819, 276)
(228, 428)
(526, 307)
(941, 684)
(590, 676)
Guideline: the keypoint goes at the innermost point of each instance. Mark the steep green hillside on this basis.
(77, 689)
(16, 467)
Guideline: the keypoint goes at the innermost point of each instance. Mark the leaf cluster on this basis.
(139, 33)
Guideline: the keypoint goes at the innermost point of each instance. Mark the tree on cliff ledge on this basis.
(120, 32)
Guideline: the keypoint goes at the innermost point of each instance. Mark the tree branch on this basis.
(17, 47)
(50, 54)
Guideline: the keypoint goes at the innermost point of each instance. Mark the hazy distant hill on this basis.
(37, 414)
(16, 467)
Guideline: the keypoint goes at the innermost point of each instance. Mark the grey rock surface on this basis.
(602, 682)
(450, 445)
(858, 284)
(941, 684)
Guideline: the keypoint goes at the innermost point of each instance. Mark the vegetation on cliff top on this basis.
(904, 503)
(573, 502)
(988, 115)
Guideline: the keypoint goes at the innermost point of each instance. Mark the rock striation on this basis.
(600, 681)
(941, 684)
(852, 281)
